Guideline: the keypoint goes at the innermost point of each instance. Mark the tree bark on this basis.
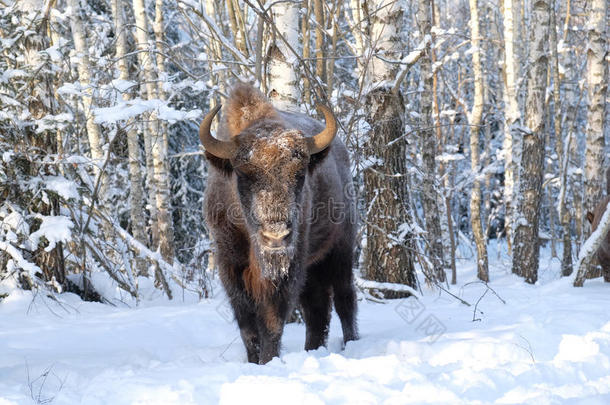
(527, 244)
(136, 192)
(512, 116)
(562, 211)
(597, 84)
(389, 250)
(156, 151)
(475, 125)
(318, 9)
(429, 195)
(282, 74)
(84, 76)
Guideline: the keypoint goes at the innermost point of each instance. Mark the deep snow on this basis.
(550, 343)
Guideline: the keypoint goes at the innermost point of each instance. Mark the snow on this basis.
(549, 344)
(62, 186)
(123, 85)
(128, 109)
(54, 229)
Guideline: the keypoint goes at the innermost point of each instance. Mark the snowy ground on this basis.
(550, 343)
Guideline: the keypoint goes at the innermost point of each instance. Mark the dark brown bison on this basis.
(603, 253)
(280, 207)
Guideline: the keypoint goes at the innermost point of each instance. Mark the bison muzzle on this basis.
(280, 207)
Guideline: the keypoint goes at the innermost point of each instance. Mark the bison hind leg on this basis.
(344, 294)
(316, 307)
(606, 270)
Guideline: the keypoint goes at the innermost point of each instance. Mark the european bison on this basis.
(603, 253)
(280, 207)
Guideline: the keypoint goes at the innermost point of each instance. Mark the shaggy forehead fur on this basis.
(245, 106)
(273, 151)
(264, 139)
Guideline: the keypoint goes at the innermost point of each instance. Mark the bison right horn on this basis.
(321, 141)
(221, 149)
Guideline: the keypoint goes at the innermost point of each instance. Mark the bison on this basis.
(280, 207)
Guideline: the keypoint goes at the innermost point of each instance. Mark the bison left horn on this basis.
(221, 149)
(321, 141)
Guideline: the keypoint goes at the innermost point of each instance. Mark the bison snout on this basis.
(276, 238)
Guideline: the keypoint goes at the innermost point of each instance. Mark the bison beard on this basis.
(272, 254)
(274, 265)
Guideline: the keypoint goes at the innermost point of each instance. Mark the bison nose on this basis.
(275, 238)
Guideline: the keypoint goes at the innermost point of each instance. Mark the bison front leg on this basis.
(246, 320)
(272, 317)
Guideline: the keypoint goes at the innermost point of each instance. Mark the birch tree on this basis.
(526, 242)
(429, 196)
(475, 124)
(389, 242)
(597, 85)
(136, 192)
(156, 151)
(148, 90)
(560, 148)
(282, 74)
(84, 75)
(512, 114)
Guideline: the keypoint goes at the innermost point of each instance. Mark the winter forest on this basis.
(477, 137)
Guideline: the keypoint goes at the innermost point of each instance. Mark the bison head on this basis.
(269, 164)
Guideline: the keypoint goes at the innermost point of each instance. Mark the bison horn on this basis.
(221, 149)
(321, 141)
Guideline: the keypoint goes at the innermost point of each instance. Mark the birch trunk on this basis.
(237, 28)
(429, 196)
(597, 84)
(562, 211)
(526, 243)
(475, 124)
(148, 92)
(318, 10)
(305, 28)
(512, 115)
(159, 150)
(282, 74)
(389, 244)
(84, 77)
(156, 151)
(136, 192)
(590, 247)
(334, 27)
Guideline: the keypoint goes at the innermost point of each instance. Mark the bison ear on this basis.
(223, 165)
(317, 158)
(590, 217)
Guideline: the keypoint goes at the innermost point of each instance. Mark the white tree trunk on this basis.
(282, 74)
(526, 246)
(430, 204)
(475, 125)
(148, 92)
(136, 192)
(156, 150)
(512, 114)
(84, 76)
(389, 251)
(590, 247)
(597, 84)
(560, 148)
